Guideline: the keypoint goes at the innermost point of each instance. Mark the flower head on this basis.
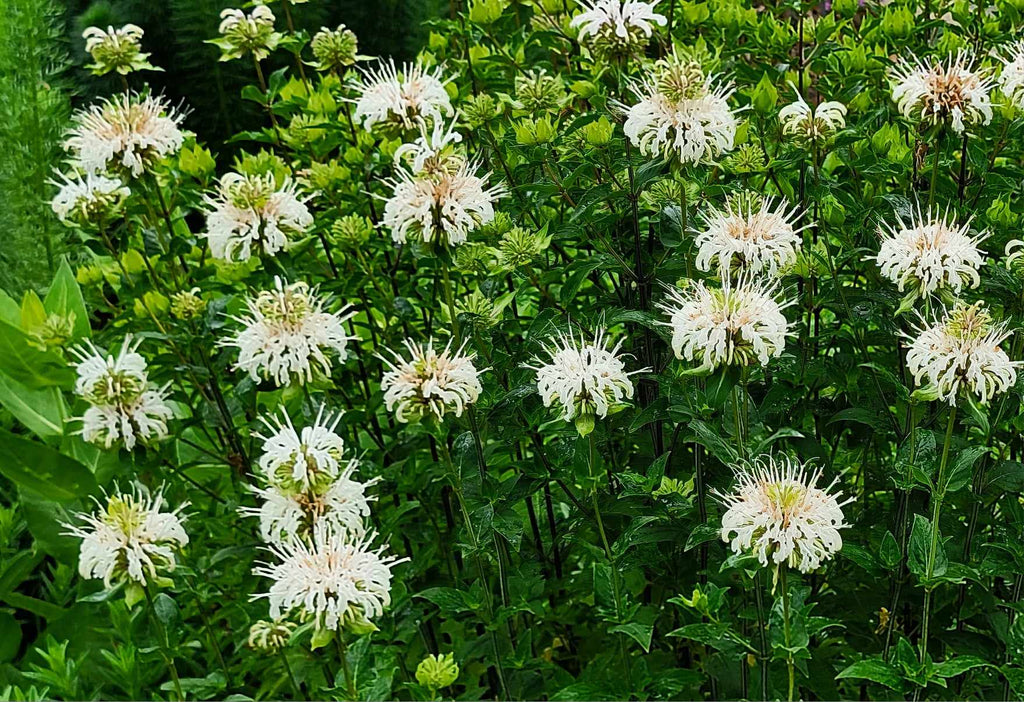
(303, 460)
(519, 247)
(584, 378)
(400, 99)
(428, 383)
(442, 207)
(129, 538)
(287, 333)
(810, 124)
(616, 27)
(116, 50)
(751, 234)
(962, 352)
(537, 91)
(680, 112)
(124, 405)
(1011, 80)
(739, 323)
(128, 131)
(437, 672)
(242, 34)
(777, 513)
(930, 253)
(433, 152)
(335, 49)
(332, 578)
(270, 636)
(941, 91)
(187, 304)
(87, 199)
(251, 211)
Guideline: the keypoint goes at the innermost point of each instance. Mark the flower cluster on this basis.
(428, 383)
(253, 212)
(751, 234)
(88, 199)
(777, 513)
(243, 35)
(943, 91)
(812, 124)
(962, 351)
(117, 50)
(680, 112)
(335, 49)
(616, 27)
(401, 99)
(287, 332)
(123, 405)
(1011, 80)
(129, 539)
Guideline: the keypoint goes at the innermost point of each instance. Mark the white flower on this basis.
(116, 49)
(617, 25)
(303, 460)
(88, 198)
(739, 323)
(127, 131)
(962, 351)
(943, 90)
(428, 382)
(753, 234)
(243, 34)
(387, 96)
(584, 378)
(287, 332)
(442, 207)
(1013, 251)
(124, 406)
(777, 512)
(341, 503)
(332, 578)
(251, 211)
(929, 253)
(129, 539)
(270, 636)
(432, 151)
(680, 112)
(1011, 80)
(812, 123)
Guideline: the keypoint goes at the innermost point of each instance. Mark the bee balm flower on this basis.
(949, 90)
(87, 199)
(335, 49)
(810, 124)
(116, 50)
(617, 27)
(287, 333)
(127, 131)
(429, 383)
(124, 406)
(929, 253)
(777, 513)
(680, 112)
(388, 97)
(1011, 80)
(751, 234)
(129, 539)
(333, 579)
(251, 211)
(739, 323)
(243, 34)
(962, 352)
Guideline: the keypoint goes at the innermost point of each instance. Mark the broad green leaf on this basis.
(25, 363)
(875, 670)
(33, 314)
(641, 633)
(43, 470)
(958, 665)
(10, 637)
(889, 552)
(64, 298)
(960, 473)
(42, 411)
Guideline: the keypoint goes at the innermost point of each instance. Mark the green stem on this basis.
(450, 301)
(350, 684)
(761, 626)
(935, 171)
(791, 673)
(291, 676)
(164, 642)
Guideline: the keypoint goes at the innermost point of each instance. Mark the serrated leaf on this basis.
(875, 670)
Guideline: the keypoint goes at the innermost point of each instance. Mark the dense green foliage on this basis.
(550, 559)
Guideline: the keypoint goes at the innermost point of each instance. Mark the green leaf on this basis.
(713, 442)
(958, 665)
(641, 633)
(10, 637)
(875, 670)
(64, 298)
(960, 474)
(920, 545)
(43, 470)
(166, 609)
(701, 534)
(28, 365)
(42, 411)
(889, 552)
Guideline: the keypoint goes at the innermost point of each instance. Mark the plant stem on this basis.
(759, 601)
(296, 687)
(791, 673)
(449, 297)
(935, 170)
(350, 684)
(933, 548)
(164, 642)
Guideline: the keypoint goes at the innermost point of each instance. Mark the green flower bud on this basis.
(479, 110)
(845, 8)
(270, 636)
(187, 304)
(598, 133)
(117, 50)
(1000, 213)
(764, 97)
(437, 672)
(519, 247)
(335, 49)
(897, 22)
(242, 35)
(55, 331)
(536, 91)
(352, 231)
(530, 132)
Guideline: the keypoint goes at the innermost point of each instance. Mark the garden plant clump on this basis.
(607, 349)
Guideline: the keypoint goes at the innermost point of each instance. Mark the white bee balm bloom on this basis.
(87, 199)
(681, 113)
(740, 323)
(128, 131)
(1011, 80)
(926, 254)
(129, 539)
(442, 207)
(962, 352)
(342, 504)
(332, 579)
(287, 333)
(251, 212)
(428, 382)
(950, 90)
(810, 124)
(303, 460)
(617, 26)
(584, 379)
(751, 234)
(777, 513)
(400, 98)
(124, 406)
(433, 151)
